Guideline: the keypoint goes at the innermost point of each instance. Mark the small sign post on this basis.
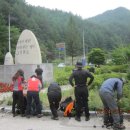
(61, 47)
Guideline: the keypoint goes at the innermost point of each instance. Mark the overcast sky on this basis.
(83, 8)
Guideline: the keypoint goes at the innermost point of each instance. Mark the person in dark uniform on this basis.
(39, 72)
(81, 84)
(54, 97)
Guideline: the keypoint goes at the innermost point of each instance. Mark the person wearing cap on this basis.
(80, 77)
(107, 95)
(39, 72)
(54, 97)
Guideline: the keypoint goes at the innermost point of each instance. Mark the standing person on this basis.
(54, 97)
(18, 93)
(33, 88)
(21, 72)
(107, 92)
(80, 77)
(39, 72)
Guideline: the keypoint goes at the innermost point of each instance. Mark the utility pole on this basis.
(84, 56)
(9, 33)
(65, 53)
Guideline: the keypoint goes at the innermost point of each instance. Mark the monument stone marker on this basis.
(27, 49)
(8, 59)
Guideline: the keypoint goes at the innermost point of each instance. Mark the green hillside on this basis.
(106, 31)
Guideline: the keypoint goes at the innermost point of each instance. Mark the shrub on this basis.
(126, 91)
(97, 82)
(114, 68)
(62, 79)
(104, 69)
(112, 75)
(125, 104)
(128, 73)
(62, 75)
(94, 100)
(119, 68)
(69, 69)
(97, 71)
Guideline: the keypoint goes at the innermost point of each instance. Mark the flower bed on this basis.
(5, 87)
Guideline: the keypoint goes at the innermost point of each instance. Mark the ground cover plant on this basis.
(61, 76)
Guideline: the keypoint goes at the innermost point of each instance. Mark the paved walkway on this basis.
(7, 122)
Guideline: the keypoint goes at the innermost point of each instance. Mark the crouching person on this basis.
(33, 88)
(54, 97)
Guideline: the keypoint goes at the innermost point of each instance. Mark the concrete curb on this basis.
(47, 112)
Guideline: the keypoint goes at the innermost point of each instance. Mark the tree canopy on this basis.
(105, 31)
(96, 56)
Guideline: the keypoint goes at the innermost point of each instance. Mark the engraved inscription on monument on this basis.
(27, 49)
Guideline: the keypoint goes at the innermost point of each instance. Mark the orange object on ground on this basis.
(69, 108)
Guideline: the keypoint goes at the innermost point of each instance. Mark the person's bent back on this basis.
(54, 97)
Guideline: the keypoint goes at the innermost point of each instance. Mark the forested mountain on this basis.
(117, 22)
(53, 26)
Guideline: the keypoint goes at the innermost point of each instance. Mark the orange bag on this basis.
(68, 109)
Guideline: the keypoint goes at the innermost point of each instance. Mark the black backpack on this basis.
(64, 103)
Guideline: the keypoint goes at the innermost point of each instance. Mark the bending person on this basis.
(107, 92)
(54, 97)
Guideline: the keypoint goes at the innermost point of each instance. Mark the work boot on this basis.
(14, 115)
(23, 115)
(77, 118)
(87, 118)
(118, 127)
(39, 115)
(54, 118)
(27, 116)
(109, 125)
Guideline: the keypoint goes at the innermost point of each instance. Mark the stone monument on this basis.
(27, 49)
(27, 57)
(8, 59)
